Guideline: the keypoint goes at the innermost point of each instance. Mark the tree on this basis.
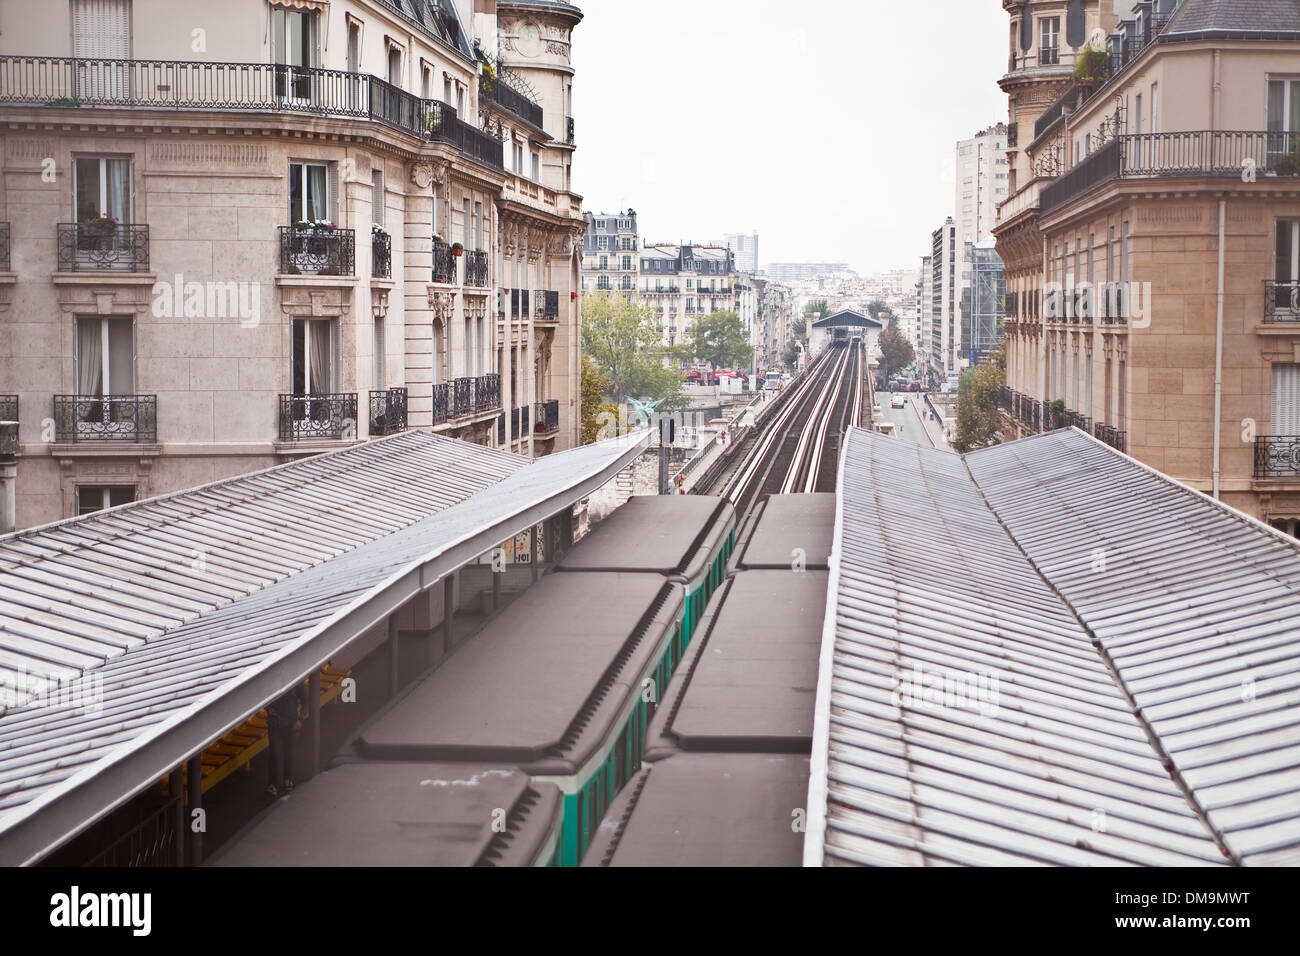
(979, 421)
(876, 308)
(791, 354)
(719, 338)
(595, 384)
(800, 328)
(896, 352)
(622, 337)
(817, 306)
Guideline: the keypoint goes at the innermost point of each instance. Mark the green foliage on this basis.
(896, 352)
(622, 338)
(816, 305)
(595, 384)
(791, 354)
(800, 327)
(979, 422)
(1090, 65)
(719, 338)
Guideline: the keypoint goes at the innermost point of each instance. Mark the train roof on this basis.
(707, 810)
(556, 668)
(664, 534)
(403, 814)
(748, 682)
(789, 522)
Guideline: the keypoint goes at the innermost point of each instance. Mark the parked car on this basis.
(898, 401)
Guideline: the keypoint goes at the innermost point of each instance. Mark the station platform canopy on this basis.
(132, 638)
(1044, 652)
(847, 318)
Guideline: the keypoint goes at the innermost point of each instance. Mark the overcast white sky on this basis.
(828, 126)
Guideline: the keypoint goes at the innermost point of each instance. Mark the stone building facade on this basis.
(233, 241)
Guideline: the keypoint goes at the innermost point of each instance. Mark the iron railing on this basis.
(114, 247)
(511, 99)
(518, 424)
(317, 251)
(73, 82)
(546, 416)
(8, 408)
(125, 418)
(387, 411)
(476, 269)
(381, 255)
(1281, 302)
(154, 841)
(318, 416)
(441, 403)
(487, 392)
(1101, 167)
(1277, 456)
(569, 134)
(462, 397)
(548, 306)
(1112, 436)
(4, 247)
(444, 264)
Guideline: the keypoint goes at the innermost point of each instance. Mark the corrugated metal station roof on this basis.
(1197, 605)
(176, 689)
(963, 714)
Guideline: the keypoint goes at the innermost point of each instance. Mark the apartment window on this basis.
(102, 186)
(465, 222)
(313, 365)
(395, 66)
(602, 242)
(627, 262)
(690, 283)
(92, 498)
(354, 47)
(446, 90)
(604, 262)
(518, 153)
(1287, 265)
(460, 100)
(1285, 411)
(1049, 41)
(537, 166)
(105, 357)
(377, 197)
(426, 81)
(1283, 118)
(292, 46)
(380, 378)
(478, 225)
(309, 192)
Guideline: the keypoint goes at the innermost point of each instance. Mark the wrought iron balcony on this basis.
(511, 99)
(1117, 439)
(324, 252)
(381, 255)
(387, 412)
(518, 424)
(4, 247)
(487, 392)
(569, 136)
(124, 418)
(476, 269)
(318, 416)
(1277, 456)
(441, 403)
(174, 85)
(548, 306)
(444, 264)
(103, 247)
(8, 408)
(1281, 302)
(546, 417)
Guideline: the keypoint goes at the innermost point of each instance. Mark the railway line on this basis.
(797, 444)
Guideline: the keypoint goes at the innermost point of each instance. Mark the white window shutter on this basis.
(1286, 400)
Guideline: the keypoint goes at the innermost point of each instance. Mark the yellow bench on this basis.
(236, 749)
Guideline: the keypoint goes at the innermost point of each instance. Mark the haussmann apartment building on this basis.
(1151, 240)
(233, 235)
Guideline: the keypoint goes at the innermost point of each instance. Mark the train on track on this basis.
(512, 749)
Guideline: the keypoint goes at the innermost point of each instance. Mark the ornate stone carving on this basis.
(442, 304)
(422, 175)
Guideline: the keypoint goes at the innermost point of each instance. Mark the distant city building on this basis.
(982, 297)
(610, 252)
(944, 341)
(684, 281)
(746, 249)
(787, 272)
(981, 183)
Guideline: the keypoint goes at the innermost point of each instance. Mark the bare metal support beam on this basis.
(313, 723)
(393, 664)
(196, 803)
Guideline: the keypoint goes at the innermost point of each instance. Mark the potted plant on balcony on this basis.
(457, 249)
(1090, 66)
(438, 240)
(97, 231)
(312, 253)
(378, 230)
(1056, 413)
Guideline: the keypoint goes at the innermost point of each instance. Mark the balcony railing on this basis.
(476, 269)
(546, 417)
(569, 134)
(4, 247)
(444, 264)
(1277, 456)
(511, 99)
(124, 418)
(548, 306)
(72, 82)
(317, 251)
(518, 424)
(102, 247)
(318, 416)
(1281, 302)
(487, 392)
(1113, 437)
(381, 256)
(1101, 167)
(466, 397)
(441, 403)
(387, 411)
